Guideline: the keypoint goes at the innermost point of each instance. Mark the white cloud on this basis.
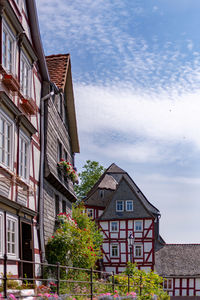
(158, 118)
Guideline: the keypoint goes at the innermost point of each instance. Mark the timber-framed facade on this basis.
(120, 208)
(22, 73)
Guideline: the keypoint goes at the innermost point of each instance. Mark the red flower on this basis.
(52, 236)
(62, 159)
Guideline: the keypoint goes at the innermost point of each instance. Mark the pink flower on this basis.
(11, 296)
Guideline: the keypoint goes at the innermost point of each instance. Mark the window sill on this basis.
(10, 82)
(7, 170)
(28, 105)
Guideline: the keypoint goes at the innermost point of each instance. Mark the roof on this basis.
(108, 183)
(115, 169)
(57, 66)
(125, 191)
(178, 260)
(117, 173)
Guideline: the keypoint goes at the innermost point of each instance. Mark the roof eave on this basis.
(71, 111)
(36, 38)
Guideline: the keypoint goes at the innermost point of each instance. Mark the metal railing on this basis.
(66, 279)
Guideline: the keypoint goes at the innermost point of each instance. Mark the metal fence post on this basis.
(58, 278)
(128, 283)
(113, 282)
(5, 276)
(91, 284)
(140, 284)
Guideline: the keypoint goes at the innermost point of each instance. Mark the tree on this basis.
(92, 171)
(76, 242)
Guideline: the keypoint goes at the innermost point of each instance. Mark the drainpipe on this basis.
(41, 203)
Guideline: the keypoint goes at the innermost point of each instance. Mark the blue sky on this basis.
(136, 74)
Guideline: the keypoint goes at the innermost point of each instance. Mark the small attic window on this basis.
(101, 194)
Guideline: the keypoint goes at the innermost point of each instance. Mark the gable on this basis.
(124, 192)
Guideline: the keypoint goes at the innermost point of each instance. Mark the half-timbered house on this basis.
(61, 143)
(22, 73)
(121, 210)
(179, 265)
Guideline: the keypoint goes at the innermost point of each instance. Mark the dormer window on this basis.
(119, 205)
(8, 49)
(25, 76)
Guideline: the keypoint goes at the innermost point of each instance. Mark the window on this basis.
(60, 105)
(6, 133)
(120, 205)
(59, 151)
(138, 225)
(65, 155)
(138, 250)
(90, 212)
(64, 207)
(114, 250)
(24, 148)
(8, 49)
(25, 76)
(129, 205)
(12, 236)
(167, 284)
(101, 194)
(57, 205)
(114, 226)
(1, 233)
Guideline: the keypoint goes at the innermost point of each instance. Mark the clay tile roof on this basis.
(178, 260)
(57, 66)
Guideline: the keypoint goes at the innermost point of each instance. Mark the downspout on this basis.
(41, 203)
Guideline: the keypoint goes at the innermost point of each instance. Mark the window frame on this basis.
(135, 226)
(166, 280)
(59, 151)
(26, 140)
(8, 120)
(26, 91)
(1, 233)
(127, 205)
(15, 220)
(57, 205)
(90, 213)
(111, 226)
(135, 251)
(111, 250)
(6, 28)
(119, 210)
(64, 206)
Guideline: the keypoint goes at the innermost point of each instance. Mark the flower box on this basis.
(68, 170)
(29, 105)
(11, 82)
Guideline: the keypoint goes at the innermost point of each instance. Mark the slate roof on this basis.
(178, 260)
(117, 173)
(57, 66)
(125, 191)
